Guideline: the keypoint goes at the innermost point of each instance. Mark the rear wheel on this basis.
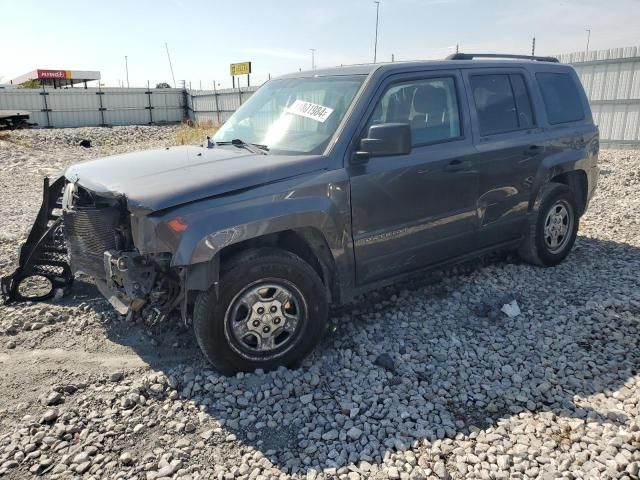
(271, 312)
(553, 229)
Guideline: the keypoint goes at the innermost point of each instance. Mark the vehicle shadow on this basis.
(459, 363)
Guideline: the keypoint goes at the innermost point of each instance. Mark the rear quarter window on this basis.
(561, 97)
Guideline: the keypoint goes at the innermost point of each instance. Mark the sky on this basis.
(204, 37)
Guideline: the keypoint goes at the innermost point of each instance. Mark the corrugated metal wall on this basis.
(79, 107)
(611, 79)
(216, 106)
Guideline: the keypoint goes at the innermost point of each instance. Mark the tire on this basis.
(538, 246)
(231, 329)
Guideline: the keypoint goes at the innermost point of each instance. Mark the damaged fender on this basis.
(217, 223)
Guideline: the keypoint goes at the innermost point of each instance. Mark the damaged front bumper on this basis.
(74, 235)
(129, 279)
(44, 254)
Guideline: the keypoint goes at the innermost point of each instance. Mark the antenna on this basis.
(170, 66)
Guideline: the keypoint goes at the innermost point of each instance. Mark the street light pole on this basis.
(533, 46)
(375, 45)
(313, 58)
(126, 67)
(588, 30)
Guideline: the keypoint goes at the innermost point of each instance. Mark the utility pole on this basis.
(170, 66)
(588, 30)
(313, 58)
(375, 45)
(126, 68)
(457, 48)
(533, 46)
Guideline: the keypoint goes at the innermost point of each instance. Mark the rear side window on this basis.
(561, 98)
(502, 103)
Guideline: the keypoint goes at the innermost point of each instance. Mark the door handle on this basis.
(458, 165)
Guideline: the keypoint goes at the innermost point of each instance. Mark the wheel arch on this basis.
(577, 181)
(308, 243)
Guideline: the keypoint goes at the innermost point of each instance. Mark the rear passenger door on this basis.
(510, 145)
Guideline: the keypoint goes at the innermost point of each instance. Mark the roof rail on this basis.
(471, 56)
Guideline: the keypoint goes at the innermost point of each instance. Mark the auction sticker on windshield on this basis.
(316, 112)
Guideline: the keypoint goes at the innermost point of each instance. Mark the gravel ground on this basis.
(429, 379)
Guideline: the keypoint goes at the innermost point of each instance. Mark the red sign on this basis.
(55, 74)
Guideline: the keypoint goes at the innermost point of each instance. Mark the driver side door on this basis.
(416, 209)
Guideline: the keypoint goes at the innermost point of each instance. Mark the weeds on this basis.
(195, 133)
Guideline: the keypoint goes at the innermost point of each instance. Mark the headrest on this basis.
(430, 99)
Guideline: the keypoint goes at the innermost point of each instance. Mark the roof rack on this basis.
(471, 56)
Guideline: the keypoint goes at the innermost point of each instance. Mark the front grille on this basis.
(89, 232)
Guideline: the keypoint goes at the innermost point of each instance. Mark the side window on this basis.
(523, 102)
(430, 106)
(502, 103)
(561, 98)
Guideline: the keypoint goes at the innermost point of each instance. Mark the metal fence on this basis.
(611, 79)
(79, 107)
(216, 106)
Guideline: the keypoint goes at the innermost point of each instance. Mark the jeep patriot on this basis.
(325, 184)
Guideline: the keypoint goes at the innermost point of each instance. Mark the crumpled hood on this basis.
(153, 180)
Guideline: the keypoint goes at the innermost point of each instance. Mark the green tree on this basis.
(163, 85)
(33, 83)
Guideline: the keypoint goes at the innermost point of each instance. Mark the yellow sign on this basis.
(243, 68)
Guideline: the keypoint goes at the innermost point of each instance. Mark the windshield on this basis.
(292, 116)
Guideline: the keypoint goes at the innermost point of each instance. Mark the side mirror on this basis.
(384, 139)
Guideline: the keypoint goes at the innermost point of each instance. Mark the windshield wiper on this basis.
(256, 148)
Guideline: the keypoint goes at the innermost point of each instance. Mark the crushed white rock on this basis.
(423, 380)
(511, 309)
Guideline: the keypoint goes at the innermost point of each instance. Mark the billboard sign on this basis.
(243, 68)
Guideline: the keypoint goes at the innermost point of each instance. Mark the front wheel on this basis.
(553, 229)
(271, 312)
